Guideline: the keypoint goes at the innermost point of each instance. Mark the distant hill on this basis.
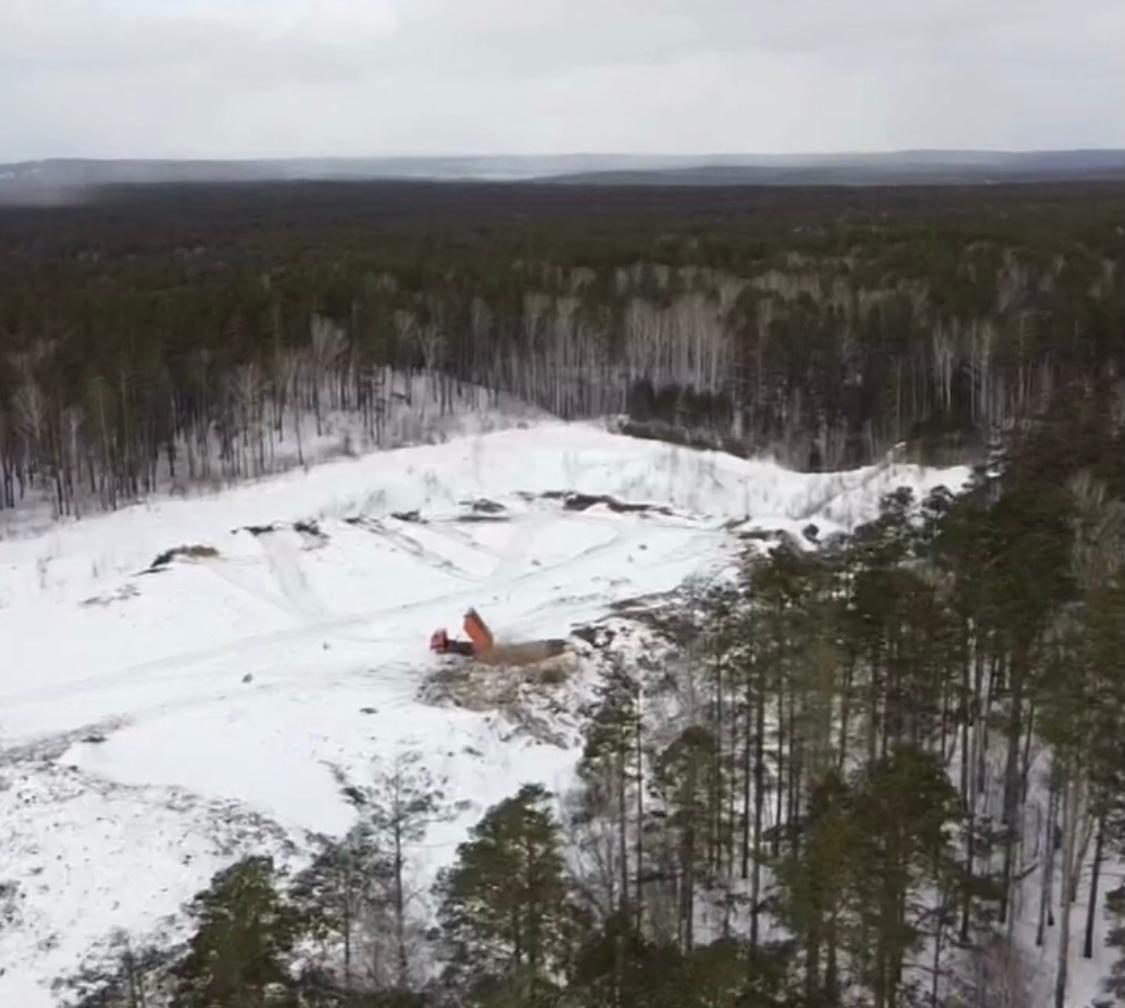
(905, 168)
(54, 179)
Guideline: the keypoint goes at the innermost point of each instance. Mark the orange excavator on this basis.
(480, 640)
(486, 650)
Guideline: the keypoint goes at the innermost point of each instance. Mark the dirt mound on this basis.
(188, 552)
(529, 694)
(583, 501)
(523, 653)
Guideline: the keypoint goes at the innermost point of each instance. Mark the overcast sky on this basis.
(249, 78)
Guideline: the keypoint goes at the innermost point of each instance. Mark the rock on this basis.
(257, 530)
(248, 678)
(190, 552)
(482, 505)
(583, 501)
(762, 535)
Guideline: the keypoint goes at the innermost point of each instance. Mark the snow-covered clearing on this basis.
(155, 724)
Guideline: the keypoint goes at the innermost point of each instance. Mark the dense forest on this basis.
(837, 780)
(154, 336)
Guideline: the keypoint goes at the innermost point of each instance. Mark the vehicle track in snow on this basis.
(443, 606)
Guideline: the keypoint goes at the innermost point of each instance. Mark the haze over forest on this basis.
(67, 178)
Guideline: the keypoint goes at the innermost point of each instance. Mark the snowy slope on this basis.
(155, 724)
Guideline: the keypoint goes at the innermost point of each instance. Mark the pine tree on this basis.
(612, 765)
(813, 885)
(245, 932)
(629, 971)
(683, 780)
(902, 814)
(1082, 696)
(1115, 939)
(504, 907)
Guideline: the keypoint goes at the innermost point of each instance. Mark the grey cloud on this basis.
(278, 77)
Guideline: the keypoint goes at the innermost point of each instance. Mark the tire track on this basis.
(156, 670)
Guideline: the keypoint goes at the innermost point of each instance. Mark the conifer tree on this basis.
(902, 813)
(504, 903)
(1115, 940)
(684, 782)
(238, 952)
(813, 885)
(612, 765)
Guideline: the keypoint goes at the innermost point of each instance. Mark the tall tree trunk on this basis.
(970, 864)
(347, 921)
(1048, 872)
(793, 804)
(969, 716)
(779, 803)
(984, 715)
(845, 713)
(1012, 790)
(687, 892)
(1071, 801)
(831, 966)
(747, 781)
(638, 910)
(812, 961)
(939, 933)
(1095, 876)
(623, 830)
(400, 906)
(759, 810)
(715, 790)
(1025, 760)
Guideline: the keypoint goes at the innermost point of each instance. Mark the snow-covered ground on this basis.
(156, 724)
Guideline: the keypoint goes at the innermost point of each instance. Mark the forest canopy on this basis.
(158, 332)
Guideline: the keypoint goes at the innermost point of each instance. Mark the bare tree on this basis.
(999, 977)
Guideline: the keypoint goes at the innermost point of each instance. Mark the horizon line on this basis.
(859, 152)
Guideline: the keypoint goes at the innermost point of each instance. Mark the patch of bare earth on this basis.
(530, 689)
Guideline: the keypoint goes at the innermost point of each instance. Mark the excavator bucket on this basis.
(478, 632)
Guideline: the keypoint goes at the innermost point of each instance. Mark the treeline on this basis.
(156, 335)
(843, 778)
(871, 759)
